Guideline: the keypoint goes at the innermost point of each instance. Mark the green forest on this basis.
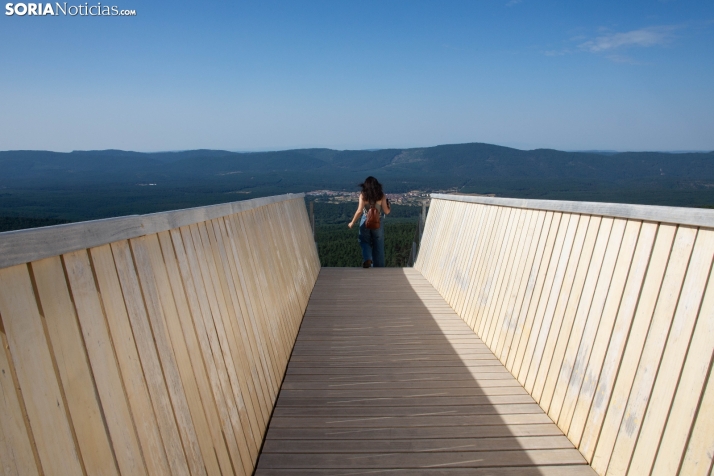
(337, 244)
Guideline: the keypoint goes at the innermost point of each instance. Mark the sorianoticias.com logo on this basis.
(62, 9)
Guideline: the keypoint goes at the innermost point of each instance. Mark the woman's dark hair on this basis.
(372, 190)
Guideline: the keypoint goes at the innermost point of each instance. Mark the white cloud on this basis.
(644, 37)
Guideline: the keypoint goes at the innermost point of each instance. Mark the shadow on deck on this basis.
(385, 378)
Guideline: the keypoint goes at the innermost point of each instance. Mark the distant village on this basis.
(412, 198)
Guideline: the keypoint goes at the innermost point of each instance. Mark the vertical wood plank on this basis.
(540, 282)
(16, 455)
(618, 340)
(652, 352)
(591, 374)
(546, 346)
(148, 354)
(210, 348)
(75, 374)
(603, 446)
(158, 273)
(204, 280)
(675, 351)
(505, 308)
(533, 271)
(570, 313)
(135, 385)
(502, 281)
(107, 376)
(32, 361)
(594, 318)
(525, 274)
(700, 448)
(691, 387)
(580, 319)
(549, 299)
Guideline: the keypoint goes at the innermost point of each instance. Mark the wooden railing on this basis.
(153, 344)
(603, 312)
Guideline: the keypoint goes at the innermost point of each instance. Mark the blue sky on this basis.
(268, 75)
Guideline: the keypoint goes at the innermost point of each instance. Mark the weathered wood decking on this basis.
(386, 379)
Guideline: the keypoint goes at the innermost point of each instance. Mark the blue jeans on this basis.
(372, 242)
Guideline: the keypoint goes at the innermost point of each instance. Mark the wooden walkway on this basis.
(386, 379)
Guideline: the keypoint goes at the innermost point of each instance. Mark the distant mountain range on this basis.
(637, 177)
(458, 165)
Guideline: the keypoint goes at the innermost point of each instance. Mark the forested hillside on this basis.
(97, 184)
(337, 245)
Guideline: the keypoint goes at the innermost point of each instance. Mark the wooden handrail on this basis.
(677, 215)
(23, 246)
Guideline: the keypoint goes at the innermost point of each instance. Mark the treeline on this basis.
(19, 223)
(337, 244)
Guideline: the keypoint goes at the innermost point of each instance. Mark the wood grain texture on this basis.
(32, 359)
(34, 244)
(158, 355)
(605, 321)
(377, 387)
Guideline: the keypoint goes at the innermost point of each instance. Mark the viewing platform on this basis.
(385, 376)
(530, 338)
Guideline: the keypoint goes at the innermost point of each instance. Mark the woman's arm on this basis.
(360, 206)
(385, 205)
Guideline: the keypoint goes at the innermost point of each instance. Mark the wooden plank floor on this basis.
(386, 379)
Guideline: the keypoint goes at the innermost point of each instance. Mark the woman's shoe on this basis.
(367, 264)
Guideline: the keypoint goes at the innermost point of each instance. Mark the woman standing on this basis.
(371, 240)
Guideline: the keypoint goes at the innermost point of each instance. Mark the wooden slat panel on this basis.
(260, 357)
(150, 360)
(481, 241)
(549, 299)
(652, 352)
(616, 345)
(570, 312)
(232, 331)
(244, 334)
(253, 285)
(480, 267)
(107, 377)
(193, 348)
(589, 376)
(476, 237)
(690, 388)
(674, 354)
(587, 329)
(597, 306)
(546, 346)
(505, 308)
(210, 348)
(532, 271)
(580, 319)
(16, 454)
(533, 240)
(539, 283)
(491, 317)
(32, 360)
(700, 447)
(206, 281)
(135, 385)
(464, 255)
(156, 280)
(71, 359)
(614, 412)
(162, 355)
(481, 295)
